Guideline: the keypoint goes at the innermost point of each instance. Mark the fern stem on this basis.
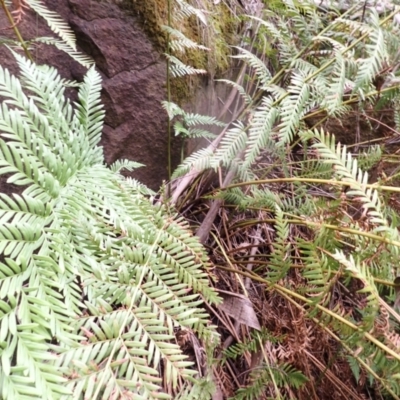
(356, 232)
(16, 30)
(313, 180)
(229, 262)
(169, 140)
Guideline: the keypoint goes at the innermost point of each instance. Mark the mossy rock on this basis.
(219, 34)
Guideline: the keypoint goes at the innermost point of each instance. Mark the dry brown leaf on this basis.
(240, 308)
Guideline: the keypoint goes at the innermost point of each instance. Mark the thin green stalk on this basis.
(314, 180)
(169, 141)
(304, 222)
(16, 30)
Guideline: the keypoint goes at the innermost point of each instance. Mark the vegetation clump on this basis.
(105, 295)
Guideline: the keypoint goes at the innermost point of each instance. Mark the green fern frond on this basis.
(280, 260)
(129, 165)
(367, 159)
(82, 59)
(190, 119)
(198, 161)
(202, 390)
(293, 108)
(179, 42)
(361, 273)
(371, 65)
(261, 70)
(316, 271)
(93, 278)
(260, 131)
(260, 378)
(184, 10)
(231, 145)
(179, 69)
(347, 169)
(55, 22)
(334, 96)
(186, 127)
(247, 99)
(264, 198)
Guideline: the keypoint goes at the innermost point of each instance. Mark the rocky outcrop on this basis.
(133, 71)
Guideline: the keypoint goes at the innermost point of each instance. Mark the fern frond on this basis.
(179, 69)
(89, 109)
(185, 10)
(82, 59)
(55, 22)
(371, 65)
(93, 277)
(261, 377)
(334, 97)
(129, 165)
(247, 99)
(280, 260)
(347, 169)
(233, 142)
(293, 108)
(179, 42)
(361, 273)
(261, 70)
(316, 271)
(260, 131)
(198, 161)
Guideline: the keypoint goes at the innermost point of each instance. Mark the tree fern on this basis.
(93, 278)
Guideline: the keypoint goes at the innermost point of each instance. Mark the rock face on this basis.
(133, 71)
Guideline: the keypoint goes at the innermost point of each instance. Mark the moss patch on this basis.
(218, 35)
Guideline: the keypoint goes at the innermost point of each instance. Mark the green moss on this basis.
(152, 14)
(220, 33)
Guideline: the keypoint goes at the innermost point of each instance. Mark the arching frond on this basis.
(260, 133)
(231, 145)
(82, 59)
(178, 68)
(55, 22)
(94, 279)
(179, 42)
